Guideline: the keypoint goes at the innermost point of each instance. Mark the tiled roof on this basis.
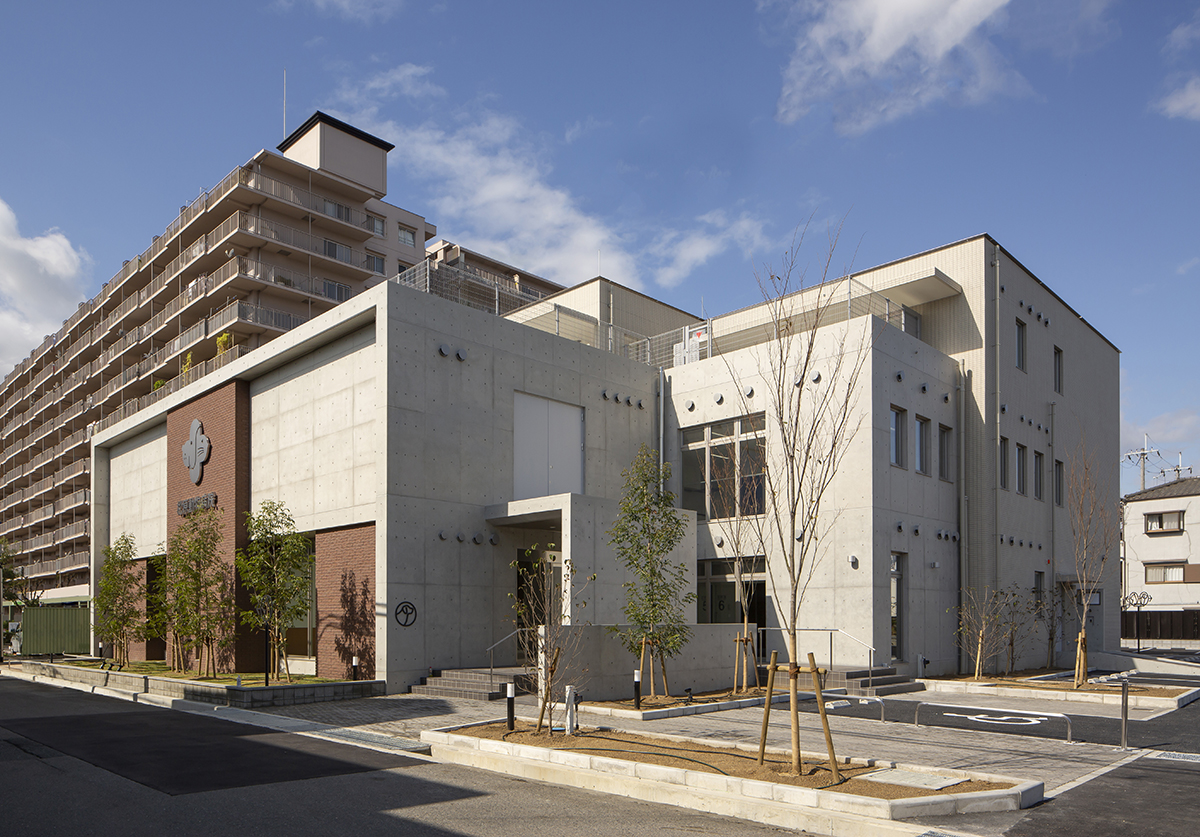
(1186, 487)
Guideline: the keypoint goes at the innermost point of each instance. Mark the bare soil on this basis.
(713, 759)
(1020, 679)
(159, 669)
(669, 701)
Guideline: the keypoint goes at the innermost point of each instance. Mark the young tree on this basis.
(1048, 609)
(1093, 513)
(196, 592)
(809, 369)
(538, 608)
(979, 620)
(646, 531)
(276, 569)
(120, 597)
(1016, 606)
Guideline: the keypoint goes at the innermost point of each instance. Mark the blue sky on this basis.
(678, 144)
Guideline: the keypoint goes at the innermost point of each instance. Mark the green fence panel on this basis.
(55, 630)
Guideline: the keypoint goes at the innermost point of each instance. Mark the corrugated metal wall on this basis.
(54, 630)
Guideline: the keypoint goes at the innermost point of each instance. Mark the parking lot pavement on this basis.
(1051, 761)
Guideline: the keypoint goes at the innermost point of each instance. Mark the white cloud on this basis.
(492, 193)
(1187, 266)
(1183, 102)
(684, 251)
(581, 128)
(360, 10)
(41, 283)
(408, 80)
(1183, 36)
(879, 60)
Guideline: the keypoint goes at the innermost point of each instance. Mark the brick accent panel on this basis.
(225, 415)
(345, 582)
(153, 648)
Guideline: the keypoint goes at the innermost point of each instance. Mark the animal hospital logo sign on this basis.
(195, 451)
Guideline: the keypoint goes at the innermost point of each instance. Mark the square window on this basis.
(375, 225)
(374, 263)
(406, 236)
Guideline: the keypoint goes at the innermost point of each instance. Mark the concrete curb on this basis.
(693, 709)
(245, 697)
(806, 809)
(1135, 701)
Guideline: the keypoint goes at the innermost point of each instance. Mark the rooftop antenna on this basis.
(285, 101)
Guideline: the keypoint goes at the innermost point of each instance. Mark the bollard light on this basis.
(354, 667)
(512, 706)
(637, 688)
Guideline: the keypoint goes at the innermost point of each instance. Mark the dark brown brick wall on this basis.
(225, 414)
(345, 582)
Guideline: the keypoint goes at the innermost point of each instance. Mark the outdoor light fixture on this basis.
(444, 350)
(690, 405)
(899, 376)
(719, 398)
(854, 562)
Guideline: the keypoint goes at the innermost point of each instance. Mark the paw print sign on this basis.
(195, 451)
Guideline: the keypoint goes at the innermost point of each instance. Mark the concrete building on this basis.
(430, 429)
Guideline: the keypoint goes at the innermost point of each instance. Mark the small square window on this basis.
(406, 237)
(374, 263)
(375, 225)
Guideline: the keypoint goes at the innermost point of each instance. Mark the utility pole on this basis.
(1178, 469)
(1143, 455)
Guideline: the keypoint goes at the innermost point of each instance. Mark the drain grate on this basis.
(1177, 756)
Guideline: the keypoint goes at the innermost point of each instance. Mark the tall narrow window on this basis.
(1022, 452)
(1039, 467)
(1058, 482)
(1039, 588)
(897, 439)
(922, 448)
(1002, 465)
(945, 446)
(1058, 370)
(1020, 345)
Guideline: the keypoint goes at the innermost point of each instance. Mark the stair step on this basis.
(446, 691)
(856, 673)
(886, 680)
(892, 689)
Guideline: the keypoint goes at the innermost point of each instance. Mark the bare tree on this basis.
(737, 499)
(809, 368)
(1048, 607)
(539, 608)
(979, 619)
(1016, 607)
(1094, 515)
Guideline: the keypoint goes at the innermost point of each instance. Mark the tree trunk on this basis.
(794, 699)
(662, 664)
(1081, 660)
(979, 656)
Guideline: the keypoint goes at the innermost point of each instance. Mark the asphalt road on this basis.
(75, 763)
(1177, 731)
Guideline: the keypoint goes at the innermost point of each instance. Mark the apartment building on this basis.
(278, 241)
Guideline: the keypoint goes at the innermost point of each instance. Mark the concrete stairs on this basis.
(862, 682)
(474, 683)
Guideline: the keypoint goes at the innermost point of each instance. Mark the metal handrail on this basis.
(491, 652)
(831, 632)
(917, 713)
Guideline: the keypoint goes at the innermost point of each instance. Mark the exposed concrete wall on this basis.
(316, 434)
(138, 490)
(704, 664)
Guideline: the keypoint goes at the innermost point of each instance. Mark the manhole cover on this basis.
(910, 778)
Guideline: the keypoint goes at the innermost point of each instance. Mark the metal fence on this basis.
(54, 630)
